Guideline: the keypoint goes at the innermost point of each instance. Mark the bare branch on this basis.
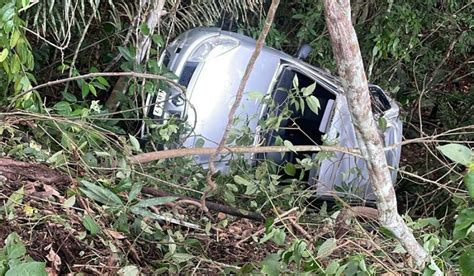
(260, 42)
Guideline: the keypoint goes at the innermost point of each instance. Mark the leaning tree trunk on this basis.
(351, 70)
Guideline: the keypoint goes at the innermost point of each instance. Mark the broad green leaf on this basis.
(103, 81)
(158, 39)
(290, 169)
(313, 104)
(85, 90)
(68, 203)
(327, 248)
(90, 224)
(466, 262)
(251, 189)
(463, 223)
(29, 268)
(296, 82)
(309, 90)
(155, 201)
(63, 108)
(14, 246)
(469, 181)
(100, 194)
(289, 146)
(332, 268)
(4, 54)
(182, 257)
(382, 122)
(199, 143)
(125, 53)
(271, 265)
(14, 38)
(279, 236)
(134, 191)
(13, 200)
(92, 89)
(458, 153)
(144, 29)
(135, 143)
(241, 181)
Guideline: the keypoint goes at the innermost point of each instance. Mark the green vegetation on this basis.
(96, 212)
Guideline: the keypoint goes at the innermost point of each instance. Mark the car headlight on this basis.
(213, 47)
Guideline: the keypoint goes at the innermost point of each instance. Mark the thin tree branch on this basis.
(158, 155)
(258, 48)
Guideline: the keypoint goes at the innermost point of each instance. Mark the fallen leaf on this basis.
(115, 234)
(221, 216)
(51, 271)
(54, 259)
(50, 191)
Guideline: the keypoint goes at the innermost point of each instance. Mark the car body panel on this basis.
(213, 84)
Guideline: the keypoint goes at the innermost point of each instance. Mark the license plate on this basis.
(158, 110)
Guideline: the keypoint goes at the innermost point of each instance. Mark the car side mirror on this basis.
(304, 51)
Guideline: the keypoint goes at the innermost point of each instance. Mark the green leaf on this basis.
(13, 200)
(463, 223)
(241, 181)
(289, 146)
(313, 104)
(103, 81)
(296, 82)
(469, 181)
(92, 89)
(4, 54)
(158, 39)
(466, 262)
(129, 270)
(309, 90)
(69, 97)
(14, 246)
(327, 247)
(68, 203)
(332, 268)
(199, 143)
(458, 153)
(135, 143)
(63, 108)
(125, 53)
(290, 169)
(182, 257)
(144, 29)
(382, 124)
(155, 201)
(14, 38)
(251, 189)
(134, 191)
(279, 236)
(100, 194)
(271, 265)
(90, 224)
(29, 268)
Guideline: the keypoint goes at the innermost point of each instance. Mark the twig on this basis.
(157, 155)
(210, 205)
(211, 185)
(102, 74)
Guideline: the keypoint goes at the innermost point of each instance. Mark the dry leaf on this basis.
(221, 216)
(115, 234)
(54, 259)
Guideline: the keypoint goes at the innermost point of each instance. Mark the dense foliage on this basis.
(419, 51)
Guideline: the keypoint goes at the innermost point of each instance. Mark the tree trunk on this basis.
(351, 70)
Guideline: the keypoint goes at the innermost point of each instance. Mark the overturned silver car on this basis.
(211, 62)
